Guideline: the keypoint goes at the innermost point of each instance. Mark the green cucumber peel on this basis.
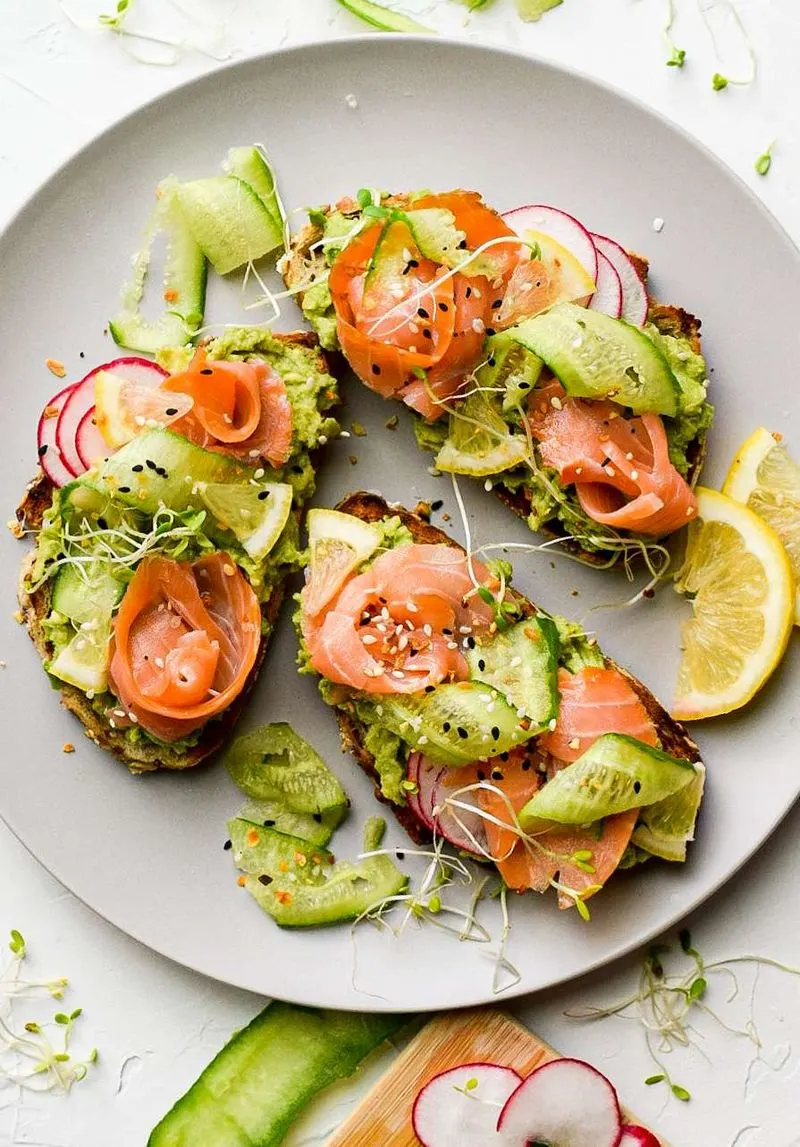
(383, 18)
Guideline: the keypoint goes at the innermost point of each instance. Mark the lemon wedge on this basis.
(479, 441)
(765, 477)
(742, 587)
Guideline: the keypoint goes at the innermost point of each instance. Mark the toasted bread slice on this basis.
(144, 755)
(303, 263)
(372, 508)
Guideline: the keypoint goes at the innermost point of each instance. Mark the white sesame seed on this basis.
(465, 629)
(253, 453)
(411, 607)
(259, 473)
(551, 724)
(611, 472)
(323, 438)
(410, 625)
(369, 639)
(414, 328)
(579, 469)
(398, 673)
(477, 292)
(423, 740)
(658, 224)
(556, 402)
(515, 661)
(488, 485)
(634, 475)
(381, 628)
(413, 349)
(351, 100)
(159, 662)
(575, 743)
(344, 433)
(577, 342)
(426, 629)
(479, 326)
(139, 420)
(379, 710)
(629, 456)
(452, 645)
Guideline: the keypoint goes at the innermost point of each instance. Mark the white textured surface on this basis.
(59, 85)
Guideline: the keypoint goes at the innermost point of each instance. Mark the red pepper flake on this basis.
(283, 897)
(56, 367)
(241, 881)
(284, 866)
(171, 295)
(51, 412)
(68, 747)
(300, 859)
(252, 837)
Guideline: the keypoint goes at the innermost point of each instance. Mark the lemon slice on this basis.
(254, 513)
(338, 543)
(84, 661)
(743, 590)
(665, 828)
(124, 407)
(765, 477)
(479, 441)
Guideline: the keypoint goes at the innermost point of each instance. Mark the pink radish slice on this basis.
(430, 808)
(459, 1107)
(50, 458)
(634, 292)
(566, 1103)
(608, 296)
(637, 1137)
(415, 763)
(81, 400)
(90, 443)
(558, 225)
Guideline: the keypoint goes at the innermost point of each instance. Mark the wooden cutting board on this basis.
(383, 1118)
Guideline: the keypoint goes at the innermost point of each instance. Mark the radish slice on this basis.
(81, 400)
(608, 296)
(50, 458)
(90, 443)
(566, 1103)
(637, 1137)
(459, 1107)
(634, 292)
(428, 805)
(564, 228)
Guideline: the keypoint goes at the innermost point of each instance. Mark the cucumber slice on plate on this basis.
(250, 165)
(313, 828)
(184, 282)
(274, 763)
(229, 221)
(256, 1087)
(616, 773)
(255, 514)
(666, 827)
(264, 852)
(348, 891)
(522, 664)
(457, 723)
(596, 356)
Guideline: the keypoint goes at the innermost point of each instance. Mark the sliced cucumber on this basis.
(184, 282)
(255, 514)
(255, 1088)
(596, 356)
(250, 165)
(338, 544)
(161, 467)
(616, 773)
(314, 828)
(228, 220)
(386, 19)
(348, 891)
(665, 828)
(261, 851)
(84, 661)
(86, 593)
(273, 763)
(457, 723)
(435, 233)
(576, 650)
(522, 664)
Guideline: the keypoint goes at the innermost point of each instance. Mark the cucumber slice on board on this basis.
(457, 723)
(250, 165)
(522, 664)
(263, 852)
(313, 828)
(229, 221)
(256, 1087)
(274, 763)
(184, 282)
(348, 891)
(596, 356)
(616, 773)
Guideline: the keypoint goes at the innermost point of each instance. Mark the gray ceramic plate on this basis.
(147, 853)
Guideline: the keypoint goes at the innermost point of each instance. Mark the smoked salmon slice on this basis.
(620, 466)
(595, 701)
(184, 642)
(397, 628)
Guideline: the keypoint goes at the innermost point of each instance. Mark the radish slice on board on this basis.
(564, 228)
(637, 1137)
(459, 1107)
(50, 458)
(634, 292)
(428, 804)
(608, 296)
(566, 1103)
(81, 400)
(89, 442)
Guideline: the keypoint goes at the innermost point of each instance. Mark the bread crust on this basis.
(371, 507)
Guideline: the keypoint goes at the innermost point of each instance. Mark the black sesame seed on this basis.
(429, 688)
(427, 334)
(413, 262)
(269, 824)
(491, 360)
(462, 245)
(375, 368)
(490, 331)
(102, 523)
(471, 642)
(124, 489)
(264, 879)
(206, 370)
(495, 733)
(263, 495)
(42, 450)
(497, 775)
(228, 845)
(637, 786)
(137, 469)
(437, 505)
(401, 856)
(481, 775)
(447, 632)
(423, 314)
(443, 307)
(481, 665)
(150, 464)
(171, 410)
(497, 304)
(446, 727)
(504, 756)
(463, 734)
(81, 354)
(297, 469)
(524, 385)
(468, 293)
(317, 816)
(526, 765)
